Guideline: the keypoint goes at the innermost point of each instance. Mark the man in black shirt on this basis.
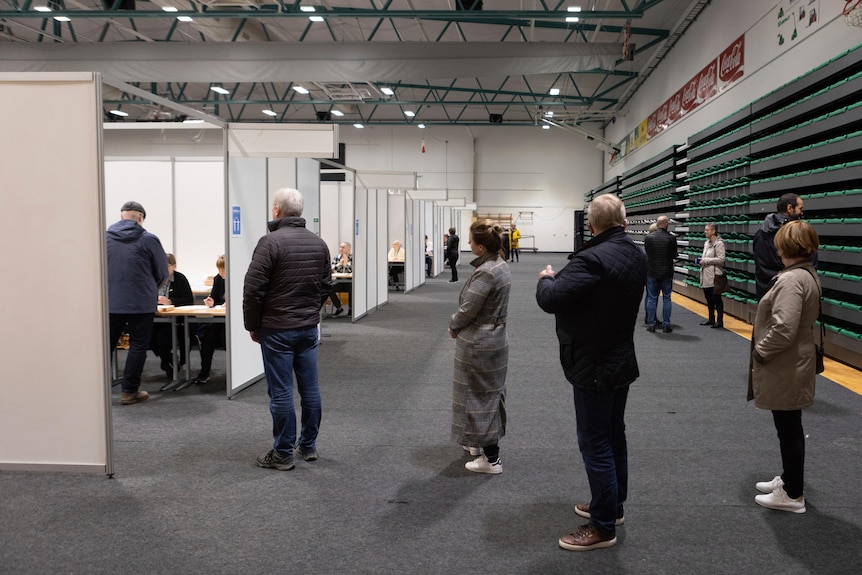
(661, 249)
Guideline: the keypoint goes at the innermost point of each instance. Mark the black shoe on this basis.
(272, 460)
(168, 368)
(707, 322)
(651, 328)
(453, 281)
(306, 454)
(201, 379)
(667, 329)
(338, 312)
(719, 325)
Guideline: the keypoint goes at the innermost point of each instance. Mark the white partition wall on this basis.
(54, 417)
(363, 267)
(148, 182)
(247, 197)
(378, 250)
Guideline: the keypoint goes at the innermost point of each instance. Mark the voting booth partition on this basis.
(54, 398)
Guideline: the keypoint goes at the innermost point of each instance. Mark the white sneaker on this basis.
(770, 486)
(474, 451)
(482, 465)
(779, 500)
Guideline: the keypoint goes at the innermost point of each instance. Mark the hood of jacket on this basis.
(772, 222)
(126, 231)
(293, 221)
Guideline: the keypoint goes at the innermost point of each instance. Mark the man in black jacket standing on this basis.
(767, 264)
(287, 282)
(453, 247)
(596, 298)
(661, 250)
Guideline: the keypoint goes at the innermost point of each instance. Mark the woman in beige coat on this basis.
(783, 366)
(482, 351)
(712, 264)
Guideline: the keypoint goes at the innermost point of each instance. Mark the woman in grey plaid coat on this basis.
(482, 351)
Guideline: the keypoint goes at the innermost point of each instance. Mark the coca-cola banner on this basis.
(714, 78)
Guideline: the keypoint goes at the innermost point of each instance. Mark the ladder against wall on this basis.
(803, 138)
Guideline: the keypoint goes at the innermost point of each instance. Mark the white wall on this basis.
(503, 169)
(767, 66)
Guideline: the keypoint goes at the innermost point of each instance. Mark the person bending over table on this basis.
(342, 263)
(211, 334)
(176, 291)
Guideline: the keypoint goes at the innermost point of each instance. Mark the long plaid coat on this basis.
(481, 354)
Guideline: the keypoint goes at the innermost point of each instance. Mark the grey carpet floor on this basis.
(390, 494)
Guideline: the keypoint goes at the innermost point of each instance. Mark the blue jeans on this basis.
(602, 441)
(139, 326)
(285, 352)
(653, 285)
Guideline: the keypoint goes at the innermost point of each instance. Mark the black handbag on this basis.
(720, 283)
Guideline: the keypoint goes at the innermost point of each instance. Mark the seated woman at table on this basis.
(212, 334)
(395, 256)
(342, 263)
(176, 291)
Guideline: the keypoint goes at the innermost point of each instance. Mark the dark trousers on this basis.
(453, 265)
(714, 303)
(791, 437)
(163, 344)
(210, 336)
(516, 254)
(602, 441)
(139, 326)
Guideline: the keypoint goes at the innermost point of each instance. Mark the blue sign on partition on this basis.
(236, 222)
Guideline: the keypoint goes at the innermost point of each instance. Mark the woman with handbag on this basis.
(783, 359)
(712, 277)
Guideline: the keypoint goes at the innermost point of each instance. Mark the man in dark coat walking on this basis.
(453, 247)
(596, 298)
(137, 266)
(661, 250)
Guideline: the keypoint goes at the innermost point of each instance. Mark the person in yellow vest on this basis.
(514, 238)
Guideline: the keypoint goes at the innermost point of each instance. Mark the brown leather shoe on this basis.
(586, 538)
(583, 509)
(136, 397)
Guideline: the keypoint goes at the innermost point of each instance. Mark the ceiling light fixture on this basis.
(409, 113)
(219, 90)
(554, 91)
(185, 19)
(119, 113)
(270, 113)
(193, 121)
(170, 9)
(573, 9)
(338, 113)
(358, 126)
(300, 89)
(307, 8)
(42, 8)
(62, 19)
(388, 91)
(316, 18)
(572, 19)
(421, 126)
(546, 127)
(549, 114)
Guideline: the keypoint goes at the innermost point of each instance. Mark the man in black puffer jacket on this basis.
(661, 250)
(596, 298)
(287, 282)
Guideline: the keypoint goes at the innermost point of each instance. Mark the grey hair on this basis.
(289, 202)
(606, 211)
(712, 226)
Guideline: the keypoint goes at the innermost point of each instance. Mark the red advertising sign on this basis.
(732, 64)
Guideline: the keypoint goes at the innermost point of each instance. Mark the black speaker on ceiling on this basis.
(468, 4)
(323, 116)
(119, 4)
(495, 118)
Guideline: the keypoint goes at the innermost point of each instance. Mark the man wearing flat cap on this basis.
(137, 265)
